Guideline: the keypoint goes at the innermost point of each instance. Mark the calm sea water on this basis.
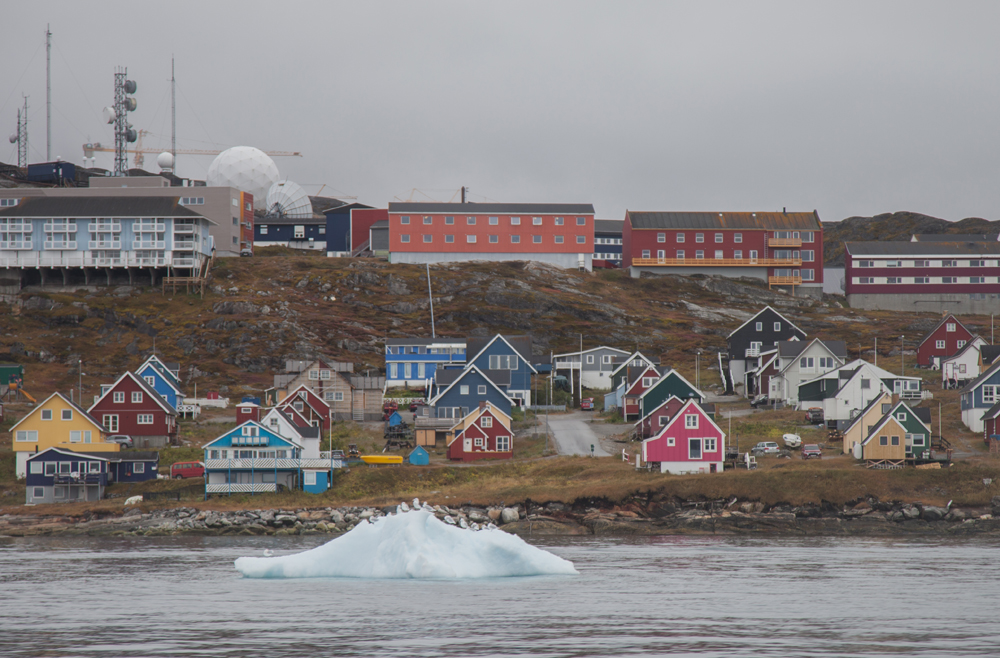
(649, 597)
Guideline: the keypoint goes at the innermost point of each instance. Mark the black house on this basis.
(761, 332)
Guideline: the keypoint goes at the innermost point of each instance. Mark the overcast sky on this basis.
(849, 108)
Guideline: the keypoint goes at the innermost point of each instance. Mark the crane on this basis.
(95, 147)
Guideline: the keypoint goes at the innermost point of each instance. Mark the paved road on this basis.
(573, 436)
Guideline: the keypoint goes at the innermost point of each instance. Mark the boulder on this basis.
(509, 515)
(933, 513)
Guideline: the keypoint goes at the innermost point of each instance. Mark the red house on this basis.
(247, 411)
(483, 434)
(944, 340)
(309, 408)
(131, 406)
(656, 419)
(639, 379)
(690, 442)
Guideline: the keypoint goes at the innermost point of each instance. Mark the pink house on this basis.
(635, 388)
(658, 418)
(690, 442)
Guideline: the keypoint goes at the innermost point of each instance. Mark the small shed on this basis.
(394, 419)
(419, 457)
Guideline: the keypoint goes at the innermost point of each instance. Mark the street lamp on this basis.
(902, 365)
(79, 369)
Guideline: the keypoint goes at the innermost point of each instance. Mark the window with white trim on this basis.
(950, 326)
(536, 239)
(503, 444)
(559, 221)
(645, 253)
(449, 239)
(760, 326)
(777, 326)
(661, 237)
(138, 467)
(738, 238)
(404, 220)
(486, 421)
(711, 444)
(939, 344)
(404, 238)
(581, 221)
(718, 238)
(590, 359)
(67, 414)
(428, 220)
(110, 422)
(428, 238)
(691, 421)
(559, 239)
(478, 442)
(515, 239)
(699, 237)
(136, 397)
(463, 389)
(989, 394)
(46, 414)
(482, 389)
(536, 221)
(680, 237)
(36, 468)
(26, 436)
(144, 419)
(515, 221)
(470, 239)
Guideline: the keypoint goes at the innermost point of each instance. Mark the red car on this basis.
(187, 470)
(811, 450)
(587, 404)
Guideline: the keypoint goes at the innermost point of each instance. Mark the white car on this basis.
(765, 448)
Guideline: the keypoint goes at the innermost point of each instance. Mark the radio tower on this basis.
(124, 133)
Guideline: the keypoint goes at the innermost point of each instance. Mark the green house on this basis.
(670, 383)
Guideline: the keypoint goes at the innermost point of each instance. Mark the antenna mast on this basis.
(21, 137)
(124, 132)
(173, 115)
(48, 94)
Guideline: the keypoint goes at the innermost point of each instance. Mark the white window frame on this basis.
(710, 444)
(486, 421)
(26, 436)
(110, 422)
(463, 389)
(939, 345)
(46, 411)
(470, 239)
(481, 389)
(503, 444)
(690, 421)
(144, 419)
(136, 397)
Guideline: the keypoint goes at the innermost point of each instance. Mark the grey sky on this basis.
(851, 108)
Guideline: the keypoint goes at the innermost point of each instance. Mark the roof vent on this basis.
(784, 210)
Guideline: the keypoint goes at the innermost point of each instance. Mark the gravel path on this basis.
(573, 435)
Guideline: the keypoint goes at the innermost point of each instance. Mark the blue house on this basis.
(464, 391)
(338, 227)
(511, 354)
(161, 379)
(981, 394)
(413, 361)
(61, 476)
(131, 465)
(252, 459)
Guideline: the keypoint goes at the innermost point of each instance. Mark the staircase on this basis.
(358, 415)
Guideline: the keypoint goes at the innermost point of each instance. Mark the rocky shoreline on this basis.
(863, 517)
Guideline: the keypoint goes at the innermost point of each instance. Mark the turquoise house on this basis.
(419, 457)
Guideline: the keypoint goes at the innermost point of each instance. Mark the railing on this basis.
(79, 478)
(784, 242)
(22, 244)
(717, 262)
(183, 262)
(105, 227)
(88, 259)
(784, 280)
(752, 351)
(60, 227)
(148, 244)
(16, 227)
(911, 395)
(97, 244)
(256, 464)
(241, 487)
(187, 229)
(158, 227)
(60, 244)
(183, 245)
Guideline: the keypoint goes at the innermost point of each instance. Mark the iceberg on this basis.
(412, 545)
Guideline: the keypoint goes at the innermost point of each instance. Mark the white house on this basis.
(798, 361)
(595, 364)
(961, 368)
(846, 391)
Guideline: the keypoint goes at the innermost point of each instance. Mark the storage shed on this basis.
(419, 457)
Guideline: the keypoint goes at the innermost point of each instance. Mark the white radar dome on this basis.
(165, 160)
(288, 199)
(244, 167)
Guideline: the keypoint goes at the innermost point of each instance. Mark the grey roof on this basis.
(498, 377)
(991, 412)
(498, 208)
(84, 207)
(311, 432)
(274, 220)
(989, 353)
(422, 341)
(447, 376)
(521, 344)
(808, 221)
(609, 226)
(923, 413)
(127, 455)
(956, 237)
(988, 372)
(922, 248)
(876, 400)
(792, 348)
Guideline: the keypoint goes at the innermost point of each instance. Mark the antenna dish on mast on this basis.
(288, 199)
(13, 138)
(109, 115)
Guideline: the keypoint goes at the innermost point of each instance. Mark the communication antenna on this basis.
(21, 136)
(288, 199)
(124, 132)
(173, 115)
(48, 94)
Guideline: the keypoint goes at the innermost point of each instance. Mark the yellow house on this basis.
(57, 423)
(865, 421)
(886, 443)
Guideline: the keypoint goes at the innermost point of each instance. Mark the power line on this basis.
(30, 62)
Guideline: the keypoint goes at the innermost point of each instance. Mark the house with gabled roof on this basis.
(800, 360)
(845, 391)
(758, 334)
(670, 383)
(57, 422)
(634, 360)
(946, 338)
(657, 417)
(309, 406)
(691, 442)
(962, 367)
(864, 422)
(898, 436)
(131, 406)
(759, 378)
(484, 433)
(465, 392)
(55, 475)
(161, 379)
(987, 355)
(979, 396)
(510, 353)
(592, 367)
(639, 380)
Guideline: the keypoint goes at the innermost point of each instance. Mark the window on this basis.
(694, 448)
(581, 221)
(710, 444)
(67, 414)
(463, 389)
(699, 237)
(150, 380)
(428, 238)
(470, 239)
(949, 263)
(826, 362)
(486, 421)
(263, 229)
(647, 382)
(136, 397)
(680, 237)
(36, 468)
(404, 220)
(950, 326)
(559, 239)
(144, 419)
(718, 238)
(428, 220)
(537, 221)
(29, 436)
(300, 232)
(760, 326)
(661, 237)
(515, 221)
(449, 220)
(901, 415)
(660, 253)
(7, 203)
(977, 279)
(866, 279)
(939, 344)
(50, 468)
(138, 467)
(808, 236)
(449, 238)
(777, 326)
(494, 221)
(753, 255)
(989, 394)
(515, 239)
(894, 279)
(680, 253)
(503, 444)
(645, 253)
(738, 238)
(866, 263)
(470, 221)
(738, 254)
(961, 344)
(894, 263)
(894, 440)
(581, 239)
(536, 239)
(407, 369)
(494, 239)
(671, 441)
(691, 421)
(916, 439)
(699, 254)
(46, 414)
(481, 390)
(718, 254)
(503, 362)
(806, 363)
(664, 420)
(808, 275)
(808, 256)
(949, 279)
(110, 422)
(559, 221)
(883, 440)
(866, 383)
(405, 238)
(478, 442)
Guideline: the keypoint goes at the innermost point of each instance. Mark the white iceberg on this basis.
(412, 545)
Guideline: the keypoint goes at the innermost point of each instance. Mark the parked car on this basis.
(587, 404)
(121, 439)
(814, 415)
(338, 454)
(187, 470)
(811, 450)
(765, 448)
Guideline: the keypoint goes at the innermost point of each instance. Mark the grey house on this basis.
(594, 365)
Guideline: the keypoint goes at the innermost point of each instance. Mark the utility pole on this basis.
(430, 296)
(463, 194)
(876, 351)
(80, 371)
(48, 94)
(173, 116)
(902, 365)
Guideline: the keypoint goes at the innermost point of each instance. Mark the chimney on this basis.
(482, 404)
(895, 399)
(784, 210)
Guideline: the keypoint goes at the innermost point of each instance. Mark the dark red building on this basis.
(131, 406)
(310, 408)
(944, 340)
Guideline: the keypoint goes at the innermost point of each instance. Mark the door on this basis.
(694, 449)
(467, 445)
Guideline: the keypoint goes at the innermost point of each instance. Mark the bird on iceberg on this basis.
(268, 552)
(403, 507)
(449, 520)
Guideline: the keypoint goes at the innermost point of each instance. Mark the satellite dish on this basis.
(131, 135)
(288, 199)
(130, 104)
(13, 137)
(130, 86)
(165, 161)
(109, 115)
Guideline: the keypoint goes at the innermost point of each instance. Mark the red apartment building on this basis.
(558, 233)
(785, 249)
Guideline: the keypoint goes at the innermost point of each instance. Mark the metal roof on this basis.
(608, 226)
(497, 208)
(424, 341)
(792, 348)
(521, 345)
(956, 237)
(922, 248)
(808, 221)
(85, 207)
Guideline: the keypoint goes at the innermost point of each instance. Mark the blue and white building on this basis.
(509, 354)
(456, 392)
(159, 376)
(979, 397)
(254, 458)
(92, 240)
(608, 241)
(63, 476)
(414, 361)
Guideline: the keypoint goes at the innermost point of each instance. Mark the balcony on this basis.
(751, 352)
(60, 227)
(253, 464)
(79, 478)
(149, 227)
(13, 226)
(104, 261)
(146, 261)
(99, 244)
(105, 227)
(183, 245)
(241, 487)
(148, 244)
(184, 229)
(717, 262)
(60, 244)
(784, 280)
(784, 242)
(182, 262)
(16, 244)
